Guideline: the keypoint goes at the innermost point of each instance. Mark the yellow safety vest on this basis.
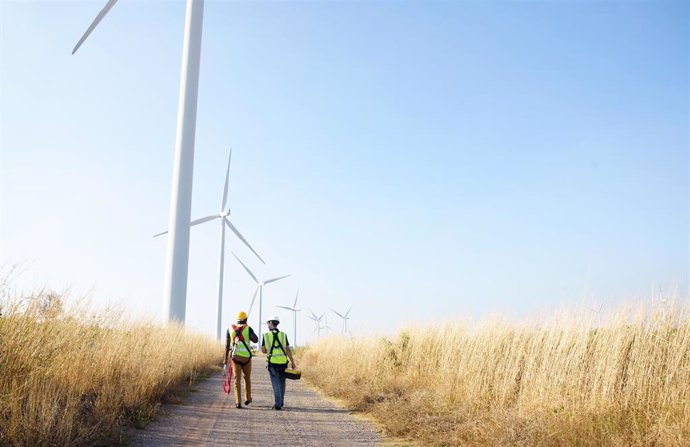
(238, 347)
(278, 357)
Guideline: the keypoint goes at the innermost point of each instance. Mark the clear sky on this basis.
(416, 160)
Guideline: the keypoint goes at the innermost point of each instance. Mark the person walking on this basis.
(275, 344)
(237, 341)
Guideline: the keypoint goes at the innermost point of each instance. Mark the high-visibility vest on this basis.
(238, 346)
(278, 357)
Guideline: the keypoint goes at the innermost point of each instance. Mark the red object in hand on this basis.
(227, 381)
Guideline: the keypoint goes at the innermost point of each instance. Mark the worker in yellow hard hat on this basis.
(237, 341)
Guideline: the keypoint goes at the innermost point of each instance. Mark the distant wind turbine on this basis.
(317, 320)
(344, 317)
(177, 262)
(259, 288)
(294, 316)
(224, 220)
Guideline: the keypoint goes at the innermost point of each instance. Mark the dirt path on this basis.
(208, 417)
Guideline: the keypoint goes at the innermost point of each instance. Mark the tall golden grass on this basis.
(71, 378)
(576, 381)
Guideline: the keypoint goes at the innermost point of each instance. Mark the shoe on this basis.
(238, 405)
(276, 408)
(247, 402)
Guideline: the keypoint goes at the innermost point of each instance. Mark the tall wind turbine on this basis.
(344, 317)
(224, 220)
(259, 288)
(175, 295)
(294, 316)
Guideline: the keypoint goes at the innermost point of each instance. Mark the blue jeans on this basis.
(277, 373)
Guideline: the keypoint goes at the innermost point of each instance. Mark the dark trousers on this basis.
(277, 373)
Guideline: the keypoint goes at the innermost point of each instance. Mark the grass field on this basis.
(71, 378)
(577, 380)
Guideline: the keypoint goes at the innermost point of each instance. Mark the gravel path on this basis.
(208, 417)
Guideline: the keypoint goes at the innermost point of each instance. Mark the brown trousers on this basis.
(243, 365)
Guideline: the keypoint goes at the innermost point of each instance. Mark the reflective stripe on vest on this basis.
(278, 356)
(239, 348)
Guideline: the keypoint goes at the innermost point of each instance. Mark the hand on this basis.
(225, 369)
(293, 365)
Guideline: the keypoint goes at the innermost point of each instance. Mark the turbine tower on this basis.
(344, 317)
(223, 215)
(259, 288)
(294, 316)
(177, 262)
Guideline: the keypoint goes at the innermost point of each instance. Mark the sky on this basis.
(419, 161)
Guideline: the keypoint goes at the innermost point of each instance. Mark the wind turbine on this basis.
(259, 288)
(224, 220)
(317, 320)
(344, 317)
(177, 262)
(294, 316)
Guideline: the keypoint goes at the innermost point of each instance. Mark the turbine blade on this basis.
(337, 313)
(275, 279)
(246, 268)
(296, 296)
(285, 307)
(225, 190)
(94, 24)
(348, 312)
(192, 223)
(203, 219)
(237, 233)
(253, 298)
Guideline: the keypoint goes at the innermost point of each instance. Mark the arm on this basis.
(292, 360)
(227, 348)
(263, 347)
(252, 336)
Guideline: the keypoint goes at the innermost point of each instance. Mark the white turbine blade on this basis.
(348, 312)
(246, 268)
(227, 177)
(275, 279)
(296, 296)
(337, 313)
(285, 307)
(192, 223)
(237, 233)
(311, 318)
(313, 315)
(203, 219)
(94, 24)
(253, 298)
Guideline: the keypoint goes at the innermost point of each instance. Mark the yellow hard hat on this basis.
(241, 316)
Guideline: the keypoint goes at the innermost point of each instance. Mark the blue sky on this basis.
(417, 160)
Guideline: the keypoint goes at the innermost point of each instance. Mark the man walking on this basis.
(275, 344)
(237, 340)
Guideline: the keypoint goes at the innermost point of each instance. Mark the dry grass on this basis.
(623, 381)
(74, 378)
